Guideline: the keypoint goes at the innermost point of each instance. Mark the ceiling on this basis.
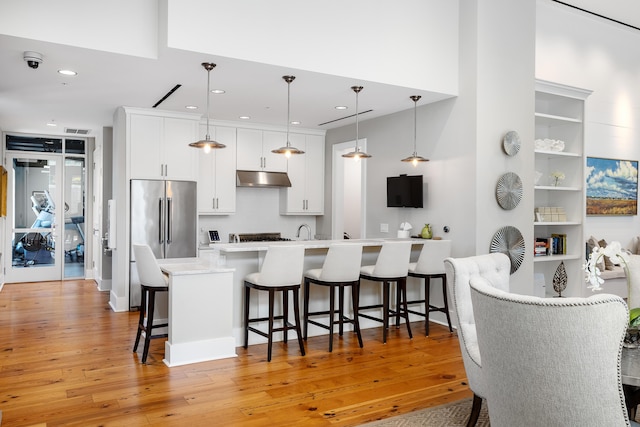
(29, 99)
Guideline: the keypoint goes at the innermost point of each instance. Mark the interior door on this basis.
(34, 216)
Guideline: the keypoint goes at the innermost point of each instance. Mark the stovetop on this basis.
(257, 237)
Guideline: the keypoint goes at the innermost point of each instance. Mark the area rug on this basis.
(448, 415)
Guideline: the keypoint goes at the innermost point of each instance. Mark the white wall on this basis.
(396, 43)
(86, 24)
(579, 50)
(462, 138)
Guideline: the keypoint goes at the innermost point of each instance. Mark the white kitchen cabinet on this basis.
(559, 116)
(217, 173)
(254, 150)
(306, 172)
(158, 143)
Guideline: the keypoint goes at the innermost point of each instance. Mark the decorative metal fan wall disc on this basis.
(511, 143)
(509, 241)
(509, 191)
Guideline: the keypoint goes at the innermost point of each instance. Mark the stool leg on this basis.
(427, 303)
(247, 295)
(296, 313)
(270, 338)
(305, 315)
(285, 316)
(385, 310)
(398, 304)
(332, 301)
(446, 300)
(403, 287)
(355, 296)
(149, 327)
(341, 309)
(143, 309)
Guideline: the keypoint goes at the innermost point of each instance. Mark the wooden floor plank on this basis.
(66, 359)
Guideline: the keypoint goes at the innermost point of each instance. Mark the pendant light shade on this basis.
(288, 150)
(414, 158)
(357, 154)
(207, 143)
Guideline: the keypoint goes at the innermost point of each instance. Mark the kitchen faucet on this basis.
(308, 231)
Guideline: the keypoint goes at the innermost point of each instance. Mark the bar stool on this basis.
(281, 271)
(430, 265)
(152, 280)
(341, 268)
(391, 266)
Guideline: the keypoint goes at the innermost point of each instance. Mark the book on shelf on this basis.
(556, 244)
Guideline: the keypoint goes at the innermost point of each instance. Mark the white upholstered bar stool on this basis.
(281, 271)
(430, 265)
(392, 265)
(152, 280)
(341, 268)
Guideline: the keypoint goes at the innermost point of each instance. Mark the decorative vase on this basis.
(426, 232)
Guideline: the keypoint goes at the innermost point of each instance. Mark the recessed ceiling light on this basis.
(67, 72)
(341, 107)
(295, 122)
(191, 107)
(245, 117)
(217, 91)
(52, 124)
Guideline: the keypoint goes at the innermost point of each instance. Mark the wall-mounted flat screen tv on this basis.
(404, 191)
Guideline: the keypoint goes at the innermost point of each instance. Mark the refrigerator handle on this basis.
(160, 221)
(169, 220)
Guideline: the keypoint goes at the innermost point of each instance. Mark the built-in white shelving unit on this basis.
(559, 116)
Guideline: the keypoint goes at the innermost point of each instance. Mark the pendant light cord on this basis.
(288, 109)
(208, 96)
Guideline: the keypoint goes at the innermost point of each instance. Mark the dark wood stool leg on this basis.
(385, 310)
(285, 315)
(143, 310)
(398, 303)
(148, 328)
(332, 302)
(475, 410)
(427, 302)
(402, 283)
(247, 295)
(270, 337)
(296, 313)
(355, 297)
(446, 300)
(341, 309)
(305, 315)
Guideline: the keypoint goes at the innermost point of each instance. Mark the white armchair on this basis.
(550, 361)
(496, 268)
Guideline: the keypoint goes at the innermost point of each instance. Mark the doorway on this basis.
(46, 200)
(348, 192)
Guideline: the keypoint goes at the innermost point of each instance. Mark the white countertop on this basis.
(308, 244)
(186, 266)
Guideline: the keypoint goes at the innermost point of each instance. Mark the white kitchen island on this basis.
(245, 258)
(200, 311)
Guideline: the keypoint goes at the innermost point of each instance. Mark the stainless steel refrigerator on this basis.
(163, 216)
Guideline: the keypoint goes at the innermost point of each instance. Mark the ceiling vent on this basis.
(77, 131)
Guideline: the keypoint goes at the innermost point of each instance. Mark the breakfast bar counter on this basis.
(246, 258)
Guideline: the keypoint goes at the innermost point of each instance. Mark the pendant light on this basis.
(414, 158)
(207, 144)
(356, 154)
(288, 150)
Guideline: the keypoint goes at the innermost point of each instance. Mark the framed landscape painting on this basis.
(612, 186)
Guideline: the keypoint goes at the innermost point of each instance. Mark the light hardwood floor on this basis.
(66, 359)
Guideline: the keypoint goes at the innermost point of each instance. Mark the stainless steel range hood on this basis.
(262, 179)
